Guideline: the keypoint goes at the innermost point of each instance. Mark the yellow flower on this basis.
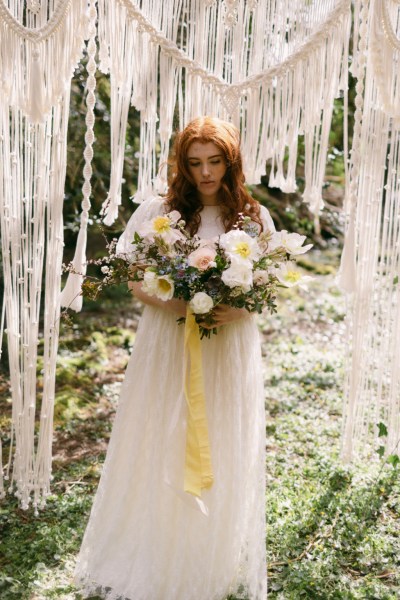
(164, 285)
(161, 224)
(239, 246)
(243, 249)
(289, 275)
(292, 276)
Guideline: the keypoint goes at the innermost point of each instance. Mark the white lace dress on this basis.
(146, 539)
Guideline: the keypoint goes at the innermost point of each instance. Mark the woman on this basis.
(146, 538)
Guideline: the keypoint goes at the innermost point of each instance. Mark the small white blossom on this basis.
(260, 276)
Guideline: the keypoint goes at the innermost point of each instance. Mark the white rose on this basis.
(149, 283)
(238, 275)
(260, 277)
(201, 303)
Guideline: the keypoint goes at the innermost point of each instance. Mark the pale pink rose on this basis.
(202, 258)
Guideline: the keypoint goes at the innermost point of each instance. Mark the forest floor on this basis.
(333, 531)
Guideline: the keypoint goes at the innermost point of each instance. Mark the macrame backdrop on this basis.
(371, 257)
(273, 67)
(40, 44)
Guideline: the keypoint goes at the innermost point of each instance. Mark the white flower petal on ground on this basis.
(239, 246)
(238, 275)
(201, 303)
(289, 275)
(292, 242)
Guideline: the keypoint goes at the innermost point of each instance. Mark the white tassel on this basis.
(35, 104)
(109, 210)
(71, 296)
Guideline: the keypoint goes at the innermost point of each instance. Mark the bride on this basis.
(146, 538)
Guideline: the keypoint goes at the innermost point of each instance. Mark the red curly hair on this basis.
(182, 192)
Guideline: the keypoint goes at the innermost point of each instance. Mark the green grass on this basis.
(333, 530)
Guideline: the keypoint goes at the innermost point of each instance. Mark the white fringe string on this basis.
(372, 393)
(39, 49)
(282, 80)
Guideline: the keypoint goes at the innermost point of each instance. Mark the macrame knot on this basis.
(33, 6)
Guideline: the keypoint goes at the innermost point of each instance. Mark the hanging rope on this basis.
(372, 393)
(71, 296)
(37, 60)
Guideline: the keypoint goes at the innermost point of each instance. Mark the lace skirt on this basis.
(148, 540)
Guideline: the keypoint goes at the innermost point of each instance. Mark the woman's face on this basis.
(207, 166)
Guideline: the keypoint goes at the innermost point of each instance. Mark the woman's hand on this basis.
(175, 305)
(223, 314)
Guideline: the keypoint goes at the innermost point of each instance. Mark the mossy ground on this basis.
(333, 530)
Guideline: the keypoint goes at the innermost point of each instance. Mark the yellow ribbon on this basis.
(198, 469)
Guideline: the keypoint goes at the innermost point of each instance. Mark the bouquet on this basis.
(242, 268)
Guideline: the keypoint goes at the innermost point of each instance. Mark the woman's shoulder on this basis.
(152, 206)
(266, 218)
(148, 209)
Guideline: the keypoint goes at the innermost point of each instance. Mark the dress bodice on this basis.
(211, 224)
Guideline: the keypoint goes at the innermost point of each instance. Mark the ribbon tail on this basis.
(198, 468)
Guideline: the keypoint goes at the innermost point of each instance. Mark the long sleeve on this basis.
(148, 209)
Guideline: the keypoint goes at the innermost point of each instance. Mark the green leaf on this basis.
(382, 430)
(396, 280)
(381, 451)
(393, 460)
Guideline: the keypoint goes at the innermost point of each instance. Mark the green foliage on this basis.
(333, 529)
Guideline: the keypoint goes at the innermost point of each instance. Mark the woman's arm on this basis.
(175, 305)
